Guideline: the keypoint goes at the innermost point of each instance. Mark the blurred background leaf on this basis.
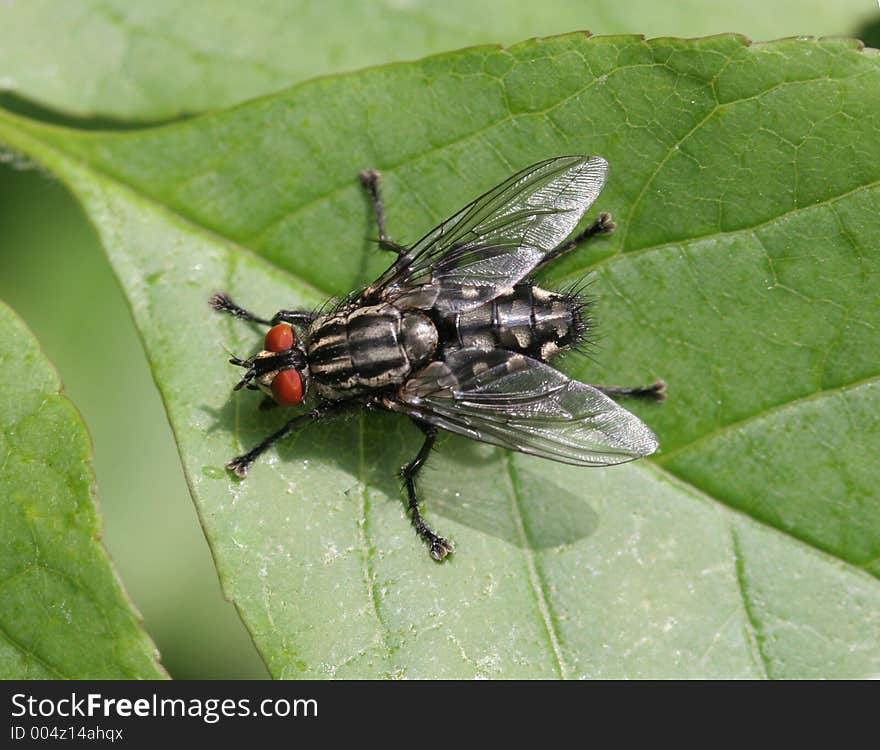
(156, 60)
(49, 253)
(730, 560)
(63, 613)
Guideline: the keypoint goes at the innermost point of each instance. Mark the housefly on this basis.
(457, 336)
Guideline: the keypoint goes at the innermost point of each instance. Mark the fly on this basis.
(457, 336)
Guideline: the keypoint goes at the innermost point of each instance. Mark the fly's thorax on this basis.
(419, 336)
(357, 349)
(524, 319)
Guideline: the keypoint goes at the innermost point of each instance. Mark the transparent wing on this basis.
(494, 242)
(511, 400)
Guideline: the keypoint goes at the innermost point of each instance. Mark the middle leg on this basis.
(439, 547)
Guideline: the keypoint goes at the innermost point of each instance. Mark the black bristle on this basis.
(582, 307)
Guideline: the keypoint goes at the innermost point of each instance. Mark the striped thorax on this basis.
(362, 349)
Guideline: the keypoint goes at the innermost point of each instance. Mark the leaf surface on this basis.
(746, 183)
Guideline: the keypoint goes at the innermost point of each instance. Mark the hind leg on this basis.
(656, 391)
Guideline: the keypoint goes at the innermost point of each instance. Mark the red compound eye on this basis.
(280, 338)
(287, 388)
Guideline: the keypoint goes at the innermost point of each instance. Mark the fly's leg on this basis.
(240, 464)
(371, 179)
(655, 391)
(439, 546)
(223, 303)
(604, 224)
(295, 317)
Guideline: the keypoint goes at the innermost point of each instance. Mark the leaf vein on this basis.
(754, 632)
(368, 549)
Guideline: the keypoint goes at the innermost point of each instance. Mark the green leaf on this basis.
(746, 182)
(63, 613)
(156, 60)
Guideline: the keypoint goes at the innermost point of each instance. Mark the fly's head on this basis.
(280, 370)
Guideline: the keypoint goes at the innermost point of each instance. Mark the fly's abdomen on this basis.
(362, 349)
(527, 319)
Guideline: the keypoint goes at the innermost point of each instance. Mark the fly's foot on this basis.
(240, 465)
(657, 390)
(605, 223)
(222, 302)
(370, 178)
(440, 547)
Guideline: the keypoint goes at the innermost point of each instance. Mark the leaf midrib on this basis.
(770, 411)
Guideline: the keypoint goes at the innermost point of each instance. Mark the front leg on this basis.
(222, 302)
(241, 464)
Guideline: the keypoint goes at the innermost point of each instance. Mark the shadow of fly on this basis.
(457, 336)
